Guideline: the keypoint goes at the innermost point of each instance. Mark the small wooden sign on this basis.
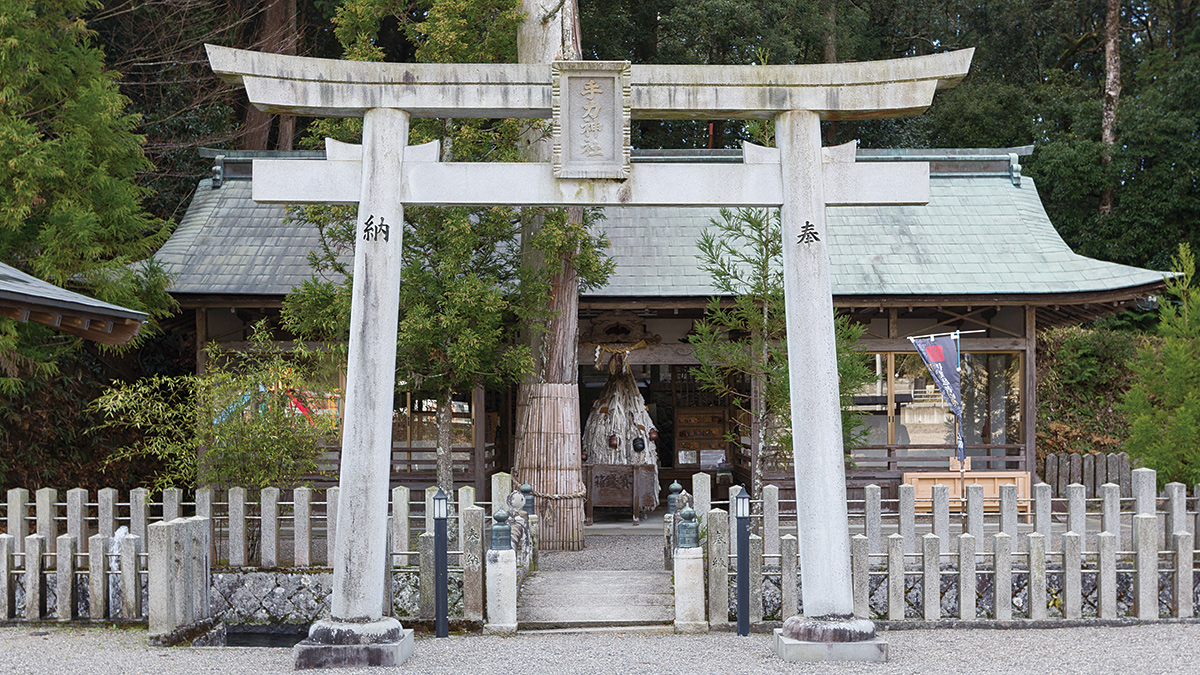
(592, 102)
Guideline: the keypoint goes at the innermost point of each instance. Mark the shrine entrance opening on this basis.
(591, 105)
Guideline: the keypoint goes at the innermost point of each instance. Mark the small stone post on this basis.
(501, 579)
(966, 577)
(472, 562)
(1145, 546)
(268, 509)
(18, 526)
(1072, 549)
(789, 576)
(1037, 576)
(1002, 585)
(331, 518)
(1042, 507)
(1008, 510)
(35, 578)
(425, 549)
(7, 590)
(47, 516)
(1181, 543)
(106, 512)
(860, 569)
(718, 568)
(702, 496)
(164, 575)
(895, 571)
(689, 577)
(237, 527)
(77, 514)
(908, 517)
(98, 577)
(975, 513)
(204, 509)
(1111, 508)
(771, 521)
(401, 524)
(131, 580)
(172, 500)
(873, 514)
(67, 591)
(931, 581)
(668, 540)
(139, 499)
(941, 515)
(1076, 510)
(1144, 491)
(756, 576)
(302, 531)
(1106, 579)
(1176, 508)
(502, 487)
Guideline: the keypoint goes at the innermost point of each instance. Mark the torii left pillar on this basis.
(357, 633)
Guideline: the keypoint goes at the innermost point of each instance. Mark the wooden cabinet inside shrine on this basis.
(702, 422)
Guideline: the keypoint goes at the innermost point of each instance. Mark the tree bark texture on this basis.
(445, 443)
(1112, 93)
(547, 443)
(279, 34)
(621, 412)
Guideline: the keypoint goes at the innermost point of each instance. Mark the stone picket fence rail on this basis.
(1041, 558)
(267, 552)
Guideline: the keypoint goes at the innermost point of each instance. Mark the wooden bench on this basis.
(923, 482)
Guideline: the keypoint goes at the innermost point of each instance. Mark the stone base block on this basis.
(797, 650)
(391, 648)
(691, 626)
(503, 629)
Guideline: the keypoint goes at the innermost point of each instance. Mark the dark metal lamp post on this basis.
(441, 592)
(741, 509)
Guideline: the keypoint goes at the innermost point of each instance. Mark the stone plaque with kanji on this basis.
(591, 101)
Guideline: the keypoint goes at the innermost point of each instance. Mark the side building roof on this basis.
(984, 236)
(26, 298)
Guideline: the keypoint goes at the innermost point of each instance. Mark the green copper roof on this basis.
(982, 233)
(978, 235)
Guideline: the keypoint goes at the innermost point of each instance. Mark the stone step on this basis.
(595, 599)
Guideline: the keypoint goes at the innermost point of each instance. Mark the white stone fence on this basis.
(1043, 558)
(270, 534)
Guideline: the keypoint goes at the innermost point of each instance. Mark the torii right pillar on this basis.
(828, 630)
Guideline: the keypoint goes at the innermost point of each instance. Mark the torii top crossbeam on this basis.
(843, 91)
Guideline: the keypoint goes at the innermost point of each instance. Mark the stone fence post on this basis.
(689, 577)
(501, 580)
(179, 579)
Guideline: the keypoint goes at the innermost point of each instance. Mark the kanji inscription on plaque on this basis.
(591, 102)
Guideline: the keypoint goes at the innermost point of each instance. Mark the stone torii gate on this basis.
(591, 104)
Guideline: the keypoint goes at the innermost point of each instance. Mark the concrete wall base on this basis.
(691, 626)
(309, 654)
(796, 650)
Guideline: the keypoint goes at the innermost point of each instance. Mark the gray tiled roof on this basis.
(228, 244)
(977, 235)
(18, 286)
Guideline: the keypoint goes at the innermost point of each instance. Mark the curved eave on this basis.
(298, 85)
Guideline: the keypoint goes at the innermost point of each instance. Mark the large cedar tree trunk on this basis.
(278, 34)
(445, 448)
(1112, 93)
(547, 442)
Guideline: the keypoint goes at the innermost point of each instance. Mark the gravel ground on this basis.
(608, 552)
(1150, 649)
